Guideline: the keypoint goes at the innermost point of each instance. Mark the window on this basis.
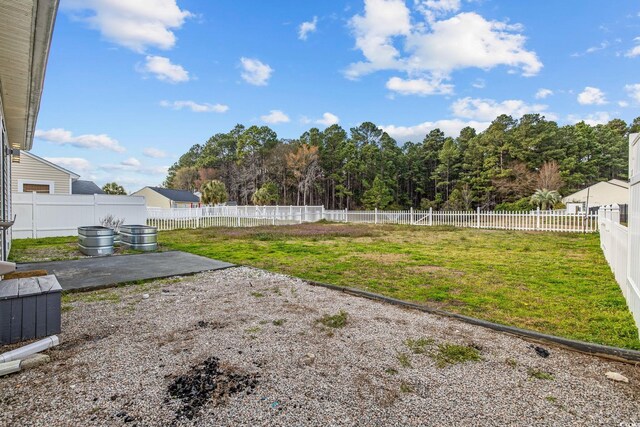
(38, 188)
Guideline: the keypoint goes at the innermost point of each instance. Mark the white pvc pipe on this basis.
(9, 367)
(27, 350)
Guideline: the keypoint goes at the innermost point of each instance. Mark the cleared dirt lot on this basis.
(246, 347)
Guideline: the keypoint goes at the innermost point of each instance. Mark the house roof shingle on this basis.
(85, 187)
(176, 195)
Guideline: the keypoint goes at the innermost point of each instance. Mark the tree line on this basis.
(500, 167)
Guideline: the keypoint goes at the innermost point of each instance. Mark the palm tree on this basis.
(545, 199)
(113, 188)
(214, 192)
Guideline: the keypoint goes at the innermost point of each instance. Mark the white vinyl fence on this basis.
(524, 220)
(620, 244)
(231, 216)
(250, 216)
(50, 215)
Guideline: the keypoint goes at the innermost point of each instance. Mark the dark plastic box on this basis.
(29, 308)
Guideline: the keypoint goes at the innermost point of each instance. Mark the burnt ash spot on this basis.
(208, 382)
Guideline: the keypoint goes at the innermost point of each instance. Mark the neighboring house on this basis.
(26, 27)
(158, 197)
(35, 174)
(599, 194)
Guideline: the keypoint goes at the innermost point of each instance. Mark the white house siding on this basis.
(31, 170)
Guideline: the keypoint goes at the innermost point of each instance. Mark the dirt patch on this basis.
(434, 269)
(385, 258)
(208, 382)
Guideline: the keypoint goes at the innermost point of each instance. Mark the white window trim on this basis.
(22, 182)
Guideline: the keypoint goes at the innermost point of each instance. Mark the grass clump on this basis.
(391, 371)
(279, 322)
(540, 375)
(405, 387)
(257, 294)
(451, 354)
(403, 360)
(336, 321)
(418, 346)
(94, 296)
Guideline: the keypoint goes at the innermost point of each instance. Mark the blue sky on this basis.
(130, 86)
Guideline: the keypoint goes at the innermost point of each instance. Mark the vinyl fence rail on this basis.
(251, 216)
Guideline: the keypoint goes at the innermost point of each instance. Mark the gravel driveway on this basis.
(246, 347)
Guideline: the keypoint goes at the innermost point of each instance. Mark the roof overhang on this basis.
(26, 27)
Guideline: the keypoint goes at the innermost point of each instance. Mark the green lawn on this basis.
(550, 282)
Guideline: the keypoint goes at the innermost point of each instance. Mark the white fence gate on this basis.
(620, 244)
(50, 215)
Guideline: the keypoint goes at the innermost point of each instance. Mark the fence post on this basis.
(276, 212)
(375, 216)
(346, 212)
(300, 218)
(411, 215)
(322, 213)
(538, 218)
(95, 203)
(478, 217)
(34, 219)
(430, 216)
(615, 213)
(237, 217)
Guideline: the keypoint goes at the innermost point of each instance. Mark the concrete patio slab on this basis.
(99, 272)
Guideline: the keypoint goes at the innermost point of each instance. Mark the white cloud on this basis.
(634, 51)
(443, 5)
(633, 90)
(382, 20)
(154, 153)
(136, 25)
(598, 118)
(420, 87)
(417, 133)
(603, 45)
(164, 69)
(591, 96)
(275, 117)
(543, 93)
(479, 84)
(623, 104)
(433, 49)
(328, 119)
(307, 27)
(255, 72)
(130, 166)
(131, 161)
(195, 107)
(78, 165)
(489, 109)
(64, 137)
